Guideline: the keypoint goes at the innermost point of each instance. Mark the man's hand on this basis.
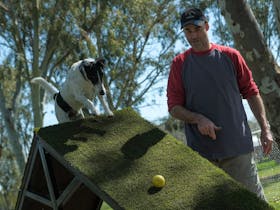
(266, 141)
(257, 107)
(207, 127)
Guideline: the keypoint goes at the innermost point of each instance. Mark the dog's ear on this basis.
(84, 63)
(81, 66)
(101, 62)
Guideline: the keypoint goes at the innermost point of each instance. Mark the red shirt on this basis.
(175, 87)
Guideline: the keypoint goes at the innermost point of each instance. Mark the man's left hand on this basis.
(266, 141)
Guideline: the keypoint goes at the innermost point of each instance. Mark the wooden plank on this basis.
(28, 172)
(47, 175)
(68, 192)
(38, 198)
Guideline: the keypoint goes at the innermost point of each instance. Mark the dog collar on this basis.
(62, 103)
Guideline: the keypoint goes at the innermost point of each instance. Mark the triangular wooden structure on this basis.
(51, 183)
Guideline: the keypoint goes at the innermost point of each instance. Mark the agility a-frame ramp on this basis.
(51, 183)
(78, 165)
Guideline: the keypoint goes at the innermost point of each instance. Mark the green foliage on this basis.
(264, 13)
(272, 194)
(105, 206)
(268, 168)
(8, 77)
(268, 171)
(267, 164)
(8, 177)
(142, 36)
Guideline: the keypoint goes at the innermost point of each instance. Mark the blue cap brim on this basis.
(193, 22)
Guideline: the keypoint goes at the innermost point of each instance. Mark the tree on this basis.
(276, 5)
(258, 56)
(44, 39)
(136, 38)
(34, 45)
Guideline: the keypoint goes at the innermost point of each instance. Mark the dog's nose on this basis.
(101, 92)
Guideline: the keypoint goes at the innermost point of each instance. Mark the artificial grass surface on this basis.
(120, 155)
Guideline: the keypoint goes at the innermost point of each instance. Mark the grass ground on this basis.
(105, 206)
(267, 170)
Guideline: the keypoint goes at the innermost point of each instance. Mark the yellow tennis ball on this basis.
(158, 181)
(36, 130)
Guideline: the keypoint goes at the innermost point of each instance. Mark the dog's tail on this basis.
(46, 85)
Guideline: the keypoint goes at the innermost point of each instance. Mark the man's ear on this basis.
(206, 26)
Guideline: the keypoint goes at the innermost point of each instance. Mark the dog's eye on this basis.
(87, 64)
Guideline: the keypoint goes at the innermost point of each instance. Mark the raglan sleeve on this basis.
(175, 88)
(246, 83)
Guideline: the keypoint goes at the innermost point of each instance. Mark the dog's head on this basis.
(92, 70)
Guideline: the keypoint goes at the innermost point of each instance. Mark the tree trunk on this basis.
(6, 201)
(276, 4)
(14, 142)
(35, 93)
(249, 40)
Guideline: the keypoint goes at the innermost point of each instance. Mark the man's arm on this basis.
(205, 125)
(256, 104)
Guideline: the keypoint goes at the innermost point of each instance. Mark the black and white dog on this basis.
(83, 83)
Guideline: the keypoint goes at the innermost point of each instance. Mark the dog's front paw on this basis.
(110, 114)
(74, 115)
(95, 113)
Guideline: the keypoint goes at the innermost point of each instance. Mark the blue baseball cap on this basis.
(193, 16)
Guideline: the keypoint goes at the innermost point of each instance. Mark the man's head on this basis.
(195, 27)
(193, 16)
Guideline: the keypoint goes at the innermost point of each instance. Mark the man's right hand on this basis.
(207, 127)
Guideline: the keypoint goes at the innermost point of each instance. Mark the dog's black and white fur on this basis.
(83, 83)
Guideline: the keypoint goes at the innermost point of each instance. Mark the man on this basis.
(205, 87)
